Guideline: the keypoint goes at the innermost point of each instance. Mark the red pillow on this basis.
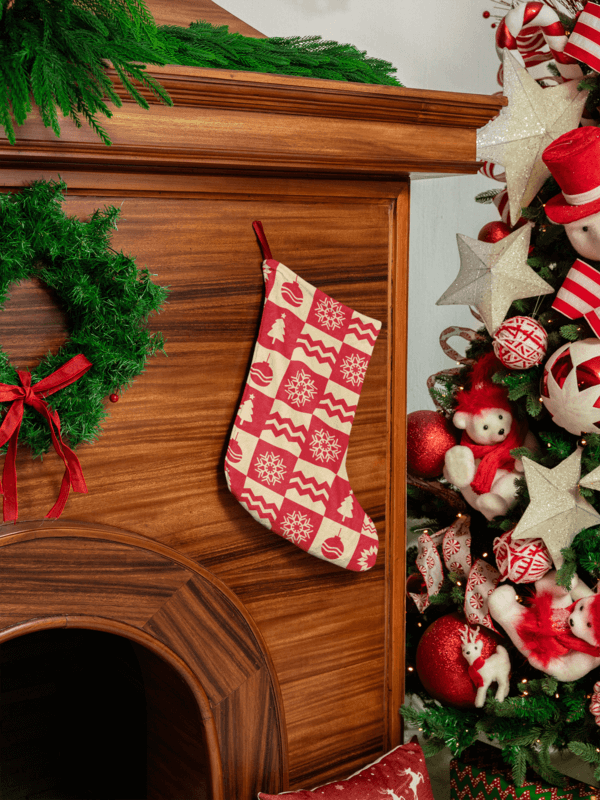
(401, 774)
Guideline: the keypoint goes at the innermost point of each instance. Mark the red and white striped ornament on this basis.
(520, 343)
(528, 29)
(521, 561)
(584, 42)
(579, 295)
(595, 703)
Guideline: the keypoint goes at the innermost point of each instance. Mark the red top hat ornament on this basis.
(574, 161)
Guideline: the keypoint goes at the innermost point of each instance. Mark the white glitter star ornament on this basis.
(494, 274)
(517, 137)
(557, 512)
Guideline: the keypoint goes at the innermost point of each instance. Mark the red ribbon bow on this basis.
(9, 432)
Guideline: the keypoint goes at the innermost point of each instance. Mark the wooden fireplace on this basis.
(290, 670)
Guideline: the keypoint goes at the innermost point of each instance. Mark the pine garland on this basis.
(57, 52)
(107, 299)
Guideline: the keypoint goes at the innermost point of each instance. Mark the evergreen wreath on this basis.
(107, 299)
(56, 52)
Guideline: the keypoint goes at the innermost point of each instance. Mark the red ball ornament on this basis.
(494, 231)
(441, 666)
(429, 436)
(114, 398)
(486, 15)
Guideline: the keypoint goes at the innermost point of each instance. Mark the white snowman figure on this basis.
(574, 161)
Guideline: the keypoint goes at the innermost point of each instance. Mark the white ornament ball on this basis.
(571, 386)
(520, 343)
(521, 561)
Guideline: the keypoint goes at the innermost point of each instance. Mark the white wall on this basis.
(443, 45)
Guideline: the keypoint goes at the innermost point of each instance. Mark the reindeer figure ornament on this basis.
(484, 672)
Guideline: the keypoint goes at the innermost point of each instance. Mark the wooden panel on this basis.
(76, 581)
(158, 468)
(237, 651)
(251, 765)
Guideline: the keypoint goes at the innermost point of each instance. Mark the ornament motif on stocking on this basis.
(286, 460)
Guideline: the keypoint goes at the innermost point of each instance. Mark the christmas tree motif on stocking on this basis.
(286, 459)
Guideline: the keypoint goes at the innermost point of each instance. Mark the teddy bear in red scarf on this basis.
(481, 466)
(557, 630)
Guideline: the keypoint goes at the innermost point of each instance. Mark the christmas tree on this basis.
(503, 619)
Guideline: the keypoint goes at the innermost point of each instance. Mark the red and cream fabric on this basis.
(579, 295)
(482, 581)
(584, 42)
(401, 774)
(286, 459)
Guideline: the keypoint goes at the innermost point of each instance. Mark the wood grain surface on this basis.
(198, 651)
(333, 195)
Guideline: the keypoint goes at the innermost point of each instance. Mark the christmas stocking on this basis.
(286, 460)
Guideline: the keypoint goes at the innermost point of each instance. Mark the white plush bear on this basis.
(558, 632)
(486, 431)
(481, 465)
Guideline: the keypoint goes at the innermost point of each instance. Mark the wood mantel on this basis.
(314, 127)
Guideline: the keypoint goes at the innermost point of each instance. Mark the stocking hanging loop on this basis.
(262, 239)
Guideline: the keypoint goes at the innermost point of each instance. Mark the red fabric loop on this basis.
(262, 239)
(34, 396)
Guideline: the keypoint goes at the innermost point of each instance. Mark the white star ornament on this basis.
(533, 119)
(494, 274)
(557, 512)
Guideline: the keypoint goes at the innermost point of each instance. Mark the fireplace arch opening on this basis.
(195, 643)
(89, 714)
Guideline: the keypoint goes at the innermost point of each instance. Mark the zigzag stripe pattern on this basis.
(310, 486)
(316, 349)
(368, 527)
(365, 331)
(284, 427)
(335, 407)
(472, 784)
(259, 504)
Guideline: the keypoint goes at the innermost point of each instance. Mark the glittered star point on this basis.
(494, 274)
(533, 119)
(557, 512)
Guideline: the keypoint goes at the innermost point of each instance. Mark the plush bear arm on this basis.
(459, 466)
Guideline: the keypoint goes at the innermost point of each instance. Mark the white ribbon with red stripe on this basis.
(456, 550)
(579, 295)
(584, 42)
(483, 579)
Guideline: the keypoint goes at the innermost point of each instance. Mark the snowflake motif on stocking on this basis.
(354, 369)
(300, 389)
(270, 468)
(367, 558)
(330, 314)
(296, 527)
(324, 446)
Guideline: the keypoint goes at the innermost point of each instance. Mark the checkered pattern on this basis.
(286, 459)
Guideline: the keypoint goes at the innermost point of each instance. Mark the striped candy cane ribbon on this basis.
(579, 295)
(528, 29)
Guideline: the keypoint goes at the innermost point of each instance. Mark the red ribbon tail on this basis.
(73, 474)
(10, 503)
